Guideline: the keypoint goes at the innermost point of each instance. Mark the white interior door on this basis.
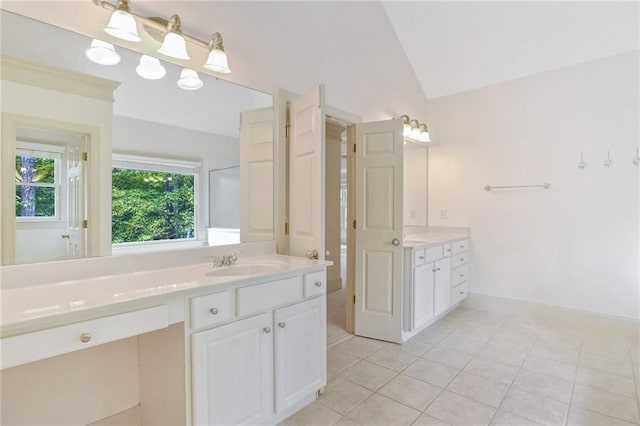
(256, 175)
(378, 241)
(77, 199)
(307, 175)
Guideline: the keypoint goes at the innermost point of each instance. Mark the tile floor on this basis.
(475, 367)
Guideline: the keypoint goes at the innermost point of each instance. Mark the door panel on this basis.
(443, 285)
(77, 207)
(256, 175)
(423, 294)
(232, 373)
(300, 351)
(307, 174)
(378, 213)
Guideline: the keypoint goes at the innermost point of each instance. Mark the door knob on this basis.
(312, 254)
(65, 236)
(282, 324)
(85, 337)
(395, 242)
(267, 330)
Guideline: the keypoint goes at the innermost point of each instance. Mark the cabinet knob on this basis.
(421, 257)
(214, 311)
(462, 292)
(395, 242)
(318, 283)
(461, 275)
(282, 324)
(461, 246)
(449, 249)
(462, 259)
(85, 337)
(437, 269)
(267, 330)
(433, 270)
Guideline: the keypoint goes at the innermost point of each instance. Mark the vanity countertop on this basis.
(427, 239)
(42, 306)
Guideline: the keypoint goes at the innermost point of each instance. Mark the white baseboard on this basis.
(570, 317)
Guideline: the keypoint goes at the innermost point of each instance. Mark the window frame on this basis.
(161, 165)
(48, 151)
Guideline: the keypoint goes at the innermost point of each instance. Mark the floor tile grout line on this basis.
(635, 381)
(573, 387)
(512, 382)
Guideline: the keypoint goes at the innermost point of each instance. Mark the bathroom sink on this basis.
(249, 269)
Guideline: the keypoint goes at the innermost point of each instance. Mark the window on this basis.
(37, 179)
(153, 199)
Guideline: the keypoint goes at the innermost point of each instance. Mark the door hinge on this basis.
(354, 147)
(287, 131)
(354, 224)
(85, 224)
(354, 299)
(85, 156)
(286, 228)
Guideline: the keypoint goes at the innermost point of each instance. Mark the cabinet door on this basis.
(423, 280)
(300, 351)
(232, 373)
(443, 285)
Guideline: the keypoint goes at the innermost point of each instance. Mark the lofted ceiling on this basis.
(459, 46)
(382, 59)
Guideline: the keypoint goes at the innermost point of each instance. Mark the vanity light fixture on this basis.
(189, 80)
(406, 127)
(217, 59)
(122, 24)
(174, 44)
(414, 131)
(424, 133)
(150, 68)
(102, 53)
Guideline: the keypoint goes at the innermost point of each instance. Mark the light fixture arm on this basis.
(216, 42)
(150, 22)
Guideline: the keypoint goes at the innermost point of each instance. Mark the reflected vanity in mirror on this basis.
(102, 159)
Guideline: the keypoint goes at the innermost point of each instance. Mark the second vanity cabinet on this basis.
(254, 370)
(435, 281)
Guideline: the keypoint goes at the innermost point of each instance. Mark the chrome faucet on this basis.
(226, 260)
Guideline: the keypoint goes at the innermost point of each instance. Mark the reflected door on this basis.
(76, 187)
(378, 229)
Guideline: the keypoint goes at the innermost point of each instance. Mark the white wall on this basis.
(415, 184)
(131, 136)
(575, 245)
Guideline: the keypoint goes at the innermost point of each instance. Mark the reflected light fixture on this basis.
(122, 24)
(150, 68)
(174, 44)
(189, 80)
(424, 133)
(102, 53)
(406, 127)
(217, 59)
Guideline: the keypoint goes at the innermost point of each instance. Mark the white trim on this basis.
(47, 77)
(158, 164)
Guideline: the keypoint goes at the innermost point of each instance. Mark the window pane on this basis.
(35, 201)
(35, 169)
(150, 205)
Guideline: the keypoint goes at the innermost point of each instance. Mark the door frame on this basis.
(10, 122)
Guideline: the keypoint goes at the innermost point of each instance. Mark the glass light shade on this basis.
(424, 137)
(217, 61)
(406, 132)
(102, 53)
(123, 26)
(174, 46)
(189, 80)
(150, 68)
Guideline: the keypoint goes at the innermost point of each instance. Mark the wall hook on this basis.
(608, 162)
(636, 159)
(582, 164)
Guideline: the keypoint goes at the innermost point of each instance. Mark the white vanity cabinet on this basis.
(260, 369)
(435, 281)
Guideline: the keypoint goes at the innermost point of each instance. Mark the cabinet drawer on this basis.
(459, 275)
(459, 260)
(263, 296)
(314, 283)
(431, 254)
(24, 348)
(447, 250)
(459, 246)
(459, 292)
(211, 309)
(418, 257)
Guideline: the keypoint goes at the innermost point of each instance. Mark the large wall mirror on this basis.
(184, 168)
